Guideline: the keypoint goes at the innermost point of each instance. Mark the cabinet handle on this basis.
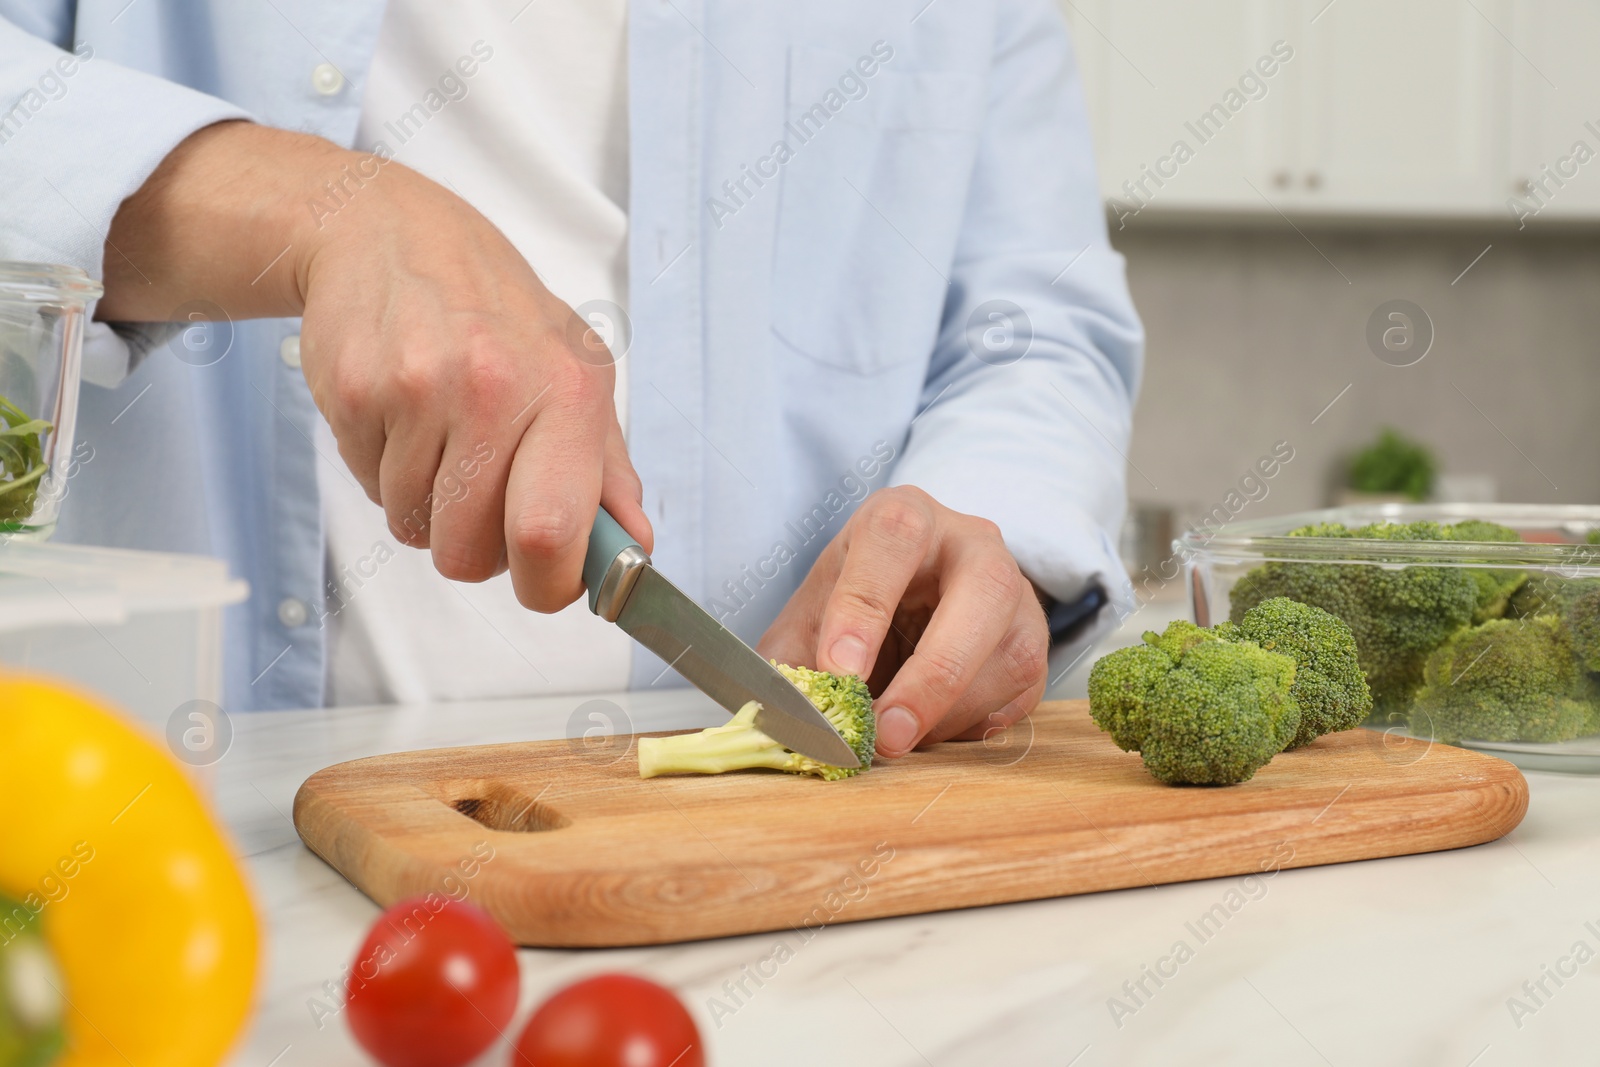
(1281, 179)
(1314, 180)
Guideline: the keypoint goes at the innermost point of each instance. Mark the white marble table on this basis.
(1402, 961)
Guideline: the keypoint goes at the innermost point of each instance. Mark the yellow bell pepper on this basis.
(107, 847)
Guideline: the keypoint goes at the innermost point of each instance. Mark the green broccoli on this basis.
(1393, 464)
(1495, 585)
(1397, 615)
(1574, 601)
(1506, 680)
(1328, 684)
(31, 1030)
(1122, 688)
(738, 745)
(1208, 712)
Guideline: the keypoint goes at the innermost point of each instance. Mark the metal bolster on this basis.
(619, 581)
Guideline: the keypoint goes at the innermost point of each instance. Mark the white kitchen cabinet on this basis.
(1422, 108)
(1555, 98)
(1403, 109)
(1191, 103)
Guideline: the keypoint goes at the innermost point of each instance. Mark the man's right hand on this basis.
(466, 399)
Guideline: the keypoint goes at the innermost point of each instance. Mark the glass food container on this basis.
(42, 318)
(1467, 636)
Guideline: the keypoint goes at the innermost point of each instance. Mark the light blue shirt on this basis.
(826, 202)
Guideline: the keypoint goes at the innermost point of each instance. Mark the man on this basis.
(859, 248)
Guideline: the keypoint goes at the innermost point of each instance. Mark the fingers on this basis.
(792, 637)
(344, 394)
(621, 492)
(885, 546)
(468, 530)
(980, 592)
(554, 486)
(1010, 684)
(905, 569)
(406, 475)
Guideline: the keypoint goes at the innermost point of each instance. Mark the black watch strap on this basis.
(1067, 618)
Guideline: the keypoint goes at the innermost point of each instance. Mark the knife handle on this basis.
(611, 566)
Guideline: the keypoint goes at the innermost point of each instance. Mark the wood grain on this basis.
(585, 853)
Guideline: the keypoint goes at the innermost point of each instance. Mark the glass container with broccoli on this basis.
(1473, 624)
(43, 309)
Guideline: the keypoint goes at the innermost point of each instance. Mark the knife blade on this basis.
(625, 588)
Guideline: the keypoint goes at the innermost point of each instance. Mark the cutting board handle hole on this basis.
(498, 805)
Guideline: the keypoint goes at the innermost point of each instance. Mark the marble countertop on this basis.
(1413, 960)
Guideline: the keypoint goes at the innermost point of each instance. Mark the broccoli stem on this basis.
(736, 745)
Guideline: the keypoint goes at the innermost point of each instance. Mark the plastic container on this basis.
(142, 628)
(42, 312)
(1439, 624)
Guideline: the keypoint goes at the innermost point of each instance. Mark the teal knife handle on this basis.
(607, 541)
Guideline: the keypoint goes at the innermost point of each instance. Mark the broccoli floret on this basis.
(1575, 602)
(1328, 684)
(1223, 712)
(1495, 585)
(1180, 636)
(1583, 626)
(1122, 688)
(31, 1008)
(1208, 712)
(1398, 616)
(738, 745)
(1506, 680)
(1393, 464)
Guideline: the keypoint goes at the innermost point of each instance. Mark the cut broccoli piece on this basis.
(1179, 637)
(738, 745)
(1506, 680)
(32, 1032)
(1328, 684)
(1208, 712)
(1122, 688)
(1575, 602)
(1223, 712)
(1495, 585)
(1397, 616)
(1583, 626)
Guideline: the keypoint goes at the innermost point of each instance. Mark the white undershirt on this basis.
(539, 144)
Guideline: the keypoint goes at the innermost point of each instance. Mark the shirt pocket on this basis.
(871, 205)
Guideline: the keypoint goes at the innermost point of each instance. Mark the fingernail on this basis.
(897, 731)
(849, 654)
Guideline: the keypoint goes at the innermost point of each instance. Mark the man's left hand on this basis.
(929, 606)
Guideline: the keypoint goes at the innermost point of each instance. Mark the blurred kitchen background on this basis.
(1338, 157)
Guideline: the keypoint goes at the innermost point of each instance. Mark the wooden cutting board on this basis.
(565, 845)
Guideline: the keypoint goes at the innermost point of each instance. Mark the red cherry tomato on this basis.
(434, 984)
(611, 1020)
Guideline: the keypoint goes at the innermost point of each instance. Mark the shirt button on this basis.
(289, 350)
(292, 612)
(326, 79)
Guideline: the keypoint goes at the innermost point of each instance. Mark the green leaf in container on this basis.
(21, 463)
(31, 1029)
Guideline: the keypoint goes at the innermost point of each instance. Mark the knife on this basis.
(625, 588)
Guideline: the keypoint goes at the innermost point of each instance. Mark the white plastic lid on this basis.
(52, 585)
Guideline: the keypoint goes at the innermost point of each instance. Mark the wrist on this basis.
(333, 183)
(219, 220)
